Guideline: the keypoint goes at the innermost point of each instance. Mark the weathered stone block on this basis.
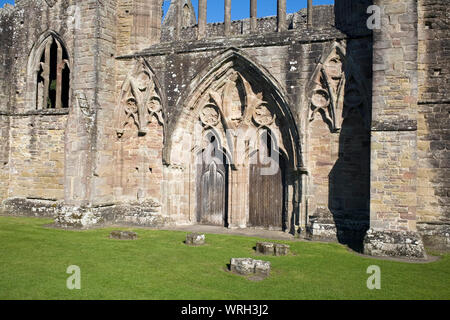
(195, 239)
(394, 243)
(248, 266)
(262, 268)
(281, 249)
(272, 249)
(244, 266)
(123, 235)
(266, 248)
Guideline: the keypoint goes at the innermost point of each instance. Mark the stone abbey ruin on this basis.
(112, 114)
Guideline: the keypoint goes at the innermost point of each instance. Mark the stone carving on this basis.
(235, 111)
(51, 3)
(335, 92)
(263, 116)
(139, 101)
(83, 103)
(210, 116)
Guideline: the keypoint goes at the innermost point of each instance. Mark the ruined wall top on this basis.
(323, 17)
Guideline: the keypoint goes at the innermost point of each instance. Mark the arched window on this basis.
(52, 75)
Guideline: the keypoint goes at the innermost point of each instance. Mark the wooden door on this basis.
(267, 192)
(212, 184)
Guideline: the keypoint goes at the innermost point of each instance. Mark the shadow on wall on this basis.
(349, 184)
(349, 179)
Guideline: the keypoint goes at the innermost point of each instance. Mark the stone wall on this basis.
(33, 139)
(363, 117)
(433, 135)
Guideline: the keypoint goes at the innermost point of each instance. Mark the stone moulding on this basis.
(394, 243)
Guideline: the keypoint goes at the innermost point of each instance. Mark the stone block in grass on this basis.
(248, 266)
(272, 249)
(195, 239)
(123, 235)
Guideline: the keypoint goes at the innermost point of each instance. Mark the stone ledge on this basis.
(392, 243)
(394, 125)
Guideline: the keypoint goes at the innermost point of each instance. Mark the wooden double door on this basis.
(266, 189)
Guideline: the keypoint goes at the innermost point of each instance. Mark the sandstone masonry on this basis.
(112, 113)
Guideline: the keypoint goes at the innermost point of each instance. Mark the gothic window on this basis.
(53, 75)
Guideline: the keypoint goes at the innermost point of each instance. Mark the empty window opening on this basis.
(53, 77)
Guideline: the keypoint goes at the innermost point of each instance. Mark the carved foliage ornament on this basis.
(335, 92)
(139, 101)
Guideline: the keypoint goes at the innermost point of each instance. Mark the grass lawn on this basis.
(34, 260)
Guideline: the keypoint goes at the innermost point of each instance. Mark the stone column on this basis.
(46, 72)
(282, 15)
(59, 68)
(253, 15)
(394, 162)
(227, 17)
(202, 13)
(310, 13)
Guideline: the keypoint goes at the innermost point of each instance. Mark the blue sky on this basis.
(240, 8)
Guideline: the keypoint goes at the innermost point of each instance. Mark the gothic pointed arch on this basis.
(337, 89)
(48, 73)
(235, 95)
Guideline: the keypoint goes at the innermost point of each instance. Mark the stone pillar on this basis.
(227, 17)
(202, 13)
(282, 15)
(394, 134)
(310, 14)
(46, 73)
(59, 69)
(253, 15)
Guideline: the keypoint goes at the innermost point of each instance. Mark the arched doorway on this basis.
(267, 184)
(237, 100)
(212, 184)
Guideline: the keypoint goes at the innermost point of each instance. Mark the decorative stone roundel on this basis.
(210, 116)
(154, 106)
(131, 106)
(263, 116)
(320, 98)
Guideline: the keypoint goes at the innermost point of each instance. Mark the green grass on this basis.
(34, 259)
